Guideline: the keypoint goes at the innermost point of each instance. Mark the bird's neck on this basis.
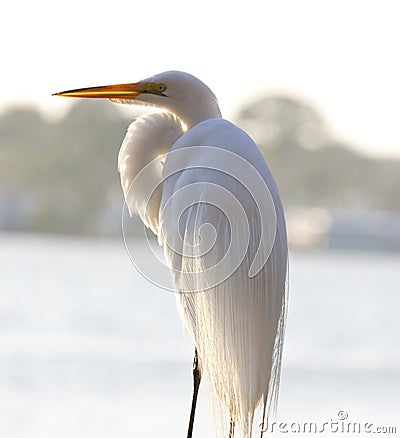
(200, 117)
(195, 112)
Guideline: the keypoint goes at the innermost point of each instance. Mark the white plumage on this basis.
(148, 140)
(238, 324)
(202, 185)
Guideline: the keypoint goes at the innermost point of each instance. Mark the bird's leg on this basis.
(196, 384)
(231, 428)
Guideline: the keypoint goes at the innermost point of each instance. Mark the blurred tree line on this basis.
(62, 176)
(313, 168)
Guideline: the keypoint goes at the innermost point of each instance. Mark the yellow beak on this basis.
(120, 91)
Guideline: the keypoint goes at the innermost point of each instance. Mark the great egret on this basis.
(203, 187)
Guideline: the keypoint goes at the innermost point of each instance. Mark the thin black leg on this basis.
(196, 384)
(231, 428)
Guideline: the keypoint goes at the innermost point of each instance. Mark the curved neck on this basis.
(199, 113)
(194, 108)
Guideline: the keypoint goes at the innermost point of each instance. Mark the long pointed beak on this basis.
(119, 91)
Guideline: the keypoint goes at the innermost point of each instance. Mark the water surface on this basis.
(89, 348)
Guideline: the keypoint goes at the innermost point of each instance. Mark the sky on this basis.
(340, 56)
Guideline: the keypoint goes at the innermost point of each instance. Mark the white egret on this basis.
(202, 185)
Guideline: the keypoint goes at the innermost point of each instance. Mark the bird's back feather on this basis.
(237, 320)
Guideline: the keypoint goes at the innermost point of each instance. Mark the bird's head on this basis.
(174, 91)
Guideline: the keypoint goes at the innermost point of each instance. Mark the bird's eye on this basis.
(161, 88)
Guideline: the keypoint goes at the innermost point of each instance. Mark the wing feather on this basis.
(237, 320)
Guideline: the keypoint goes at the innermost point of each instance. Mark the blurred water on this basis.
(88, 348)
